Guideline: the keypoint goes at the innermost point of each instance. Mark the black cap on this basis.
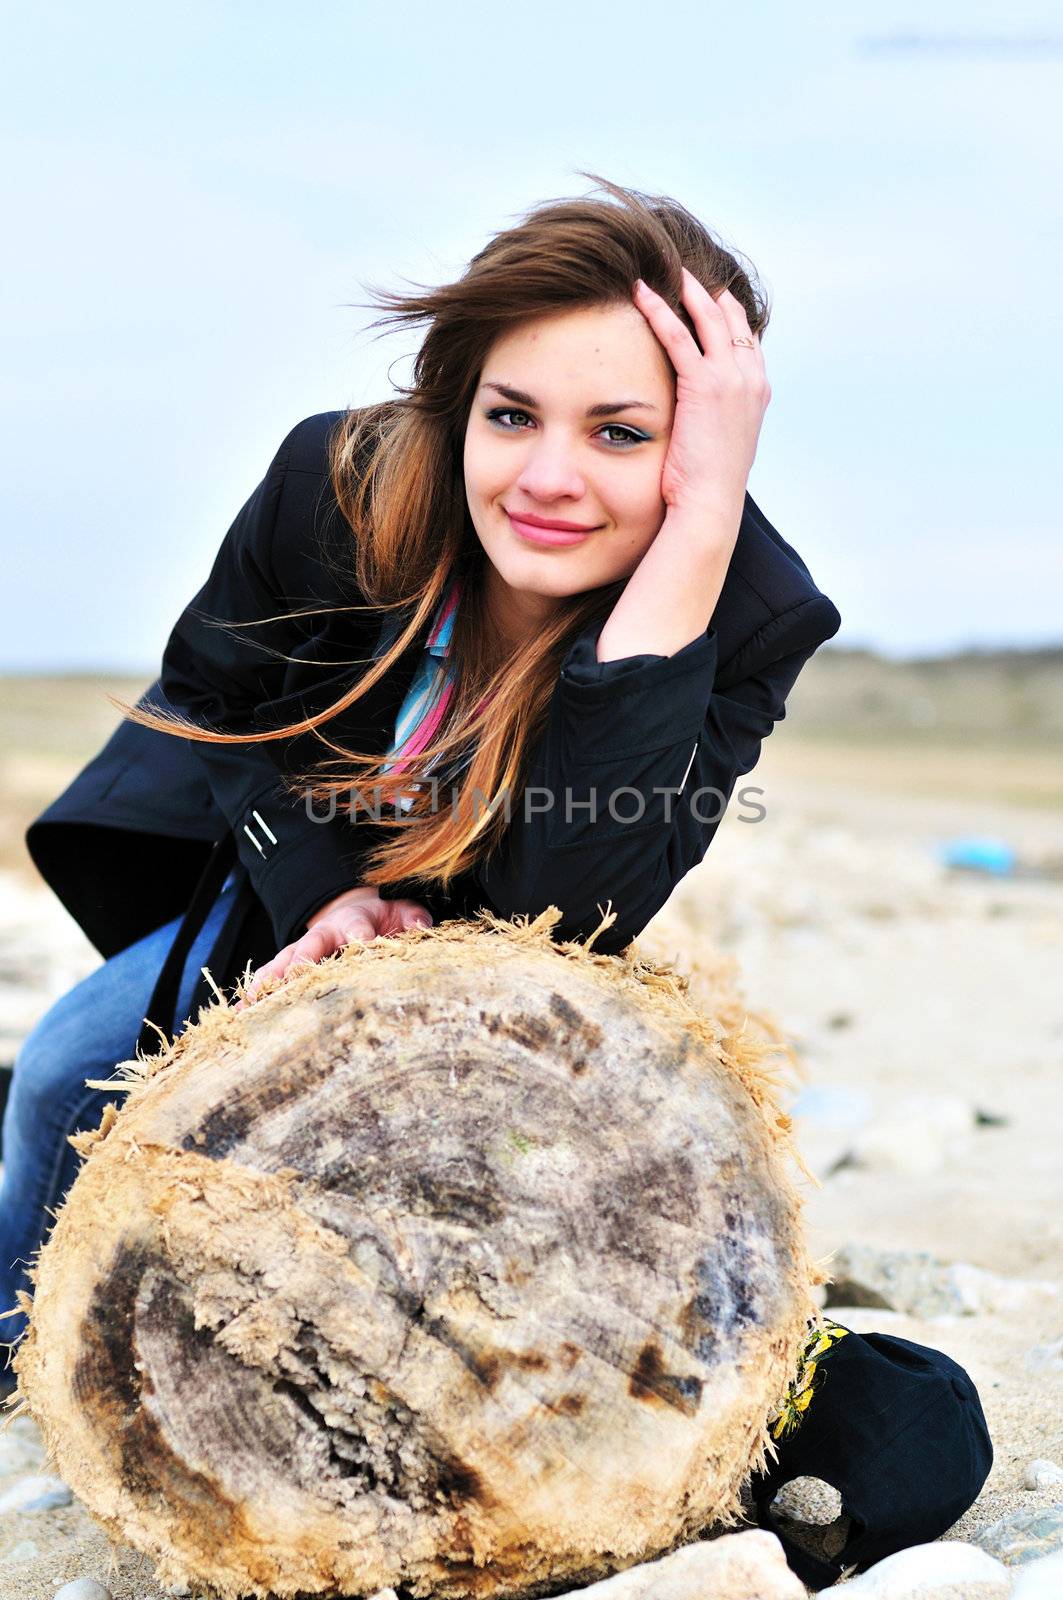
(898, 1430)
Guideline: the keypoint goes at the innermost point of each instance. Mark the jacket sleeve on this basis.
(632, 775)
(296, 857)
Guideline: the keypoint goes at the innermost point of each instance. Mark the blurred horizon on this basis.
(1048, 653)
(201, 198)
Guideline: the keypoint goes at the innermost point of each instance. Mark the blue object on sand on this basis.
(980, 855)
(835, 1105)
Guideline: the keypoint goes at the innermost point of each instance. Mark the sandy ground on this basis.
(895, 978)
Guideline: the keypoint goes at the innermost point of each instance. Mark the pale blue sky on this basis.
(192, 196)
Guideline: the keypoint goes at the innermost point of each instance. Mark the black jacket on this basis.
(124, 845)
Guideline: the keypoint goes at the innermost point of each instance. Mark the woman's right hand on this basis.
(355, 914)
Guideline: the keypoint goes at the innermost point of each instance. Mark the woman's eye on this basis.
(496, 416)
(627, 435)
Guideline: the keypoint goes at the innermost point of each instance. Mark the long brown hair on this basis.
(396, 473)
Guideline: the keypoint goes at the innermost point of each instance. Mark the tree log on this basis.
(463, 1262)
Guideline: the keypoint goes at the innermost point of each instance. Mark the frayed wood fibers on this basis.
(441, 1418)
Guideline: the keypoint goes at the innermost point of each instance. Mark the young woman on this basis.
(510, 641)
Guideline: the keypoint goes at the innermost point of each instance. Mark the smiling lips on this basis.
(548, 530)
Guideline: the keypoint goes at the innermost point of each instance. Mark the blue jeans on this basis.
(83, 1035)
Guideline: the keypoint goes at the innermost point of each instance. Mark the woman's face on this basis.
(570, 423)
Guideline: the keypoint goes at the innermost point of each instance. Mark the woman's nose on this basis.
(550, 472)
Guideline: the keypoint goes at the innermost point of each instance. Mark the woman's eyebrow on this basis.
(606, 409)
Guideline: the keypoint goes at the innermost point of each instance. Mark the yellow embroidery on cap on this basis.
(808, 1378)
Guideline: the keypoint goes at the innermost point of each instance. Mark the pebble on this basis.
(1040, 1580)
(808, 1500)
(25, 1550)
(83, 1589)
(1042, 1474)
(919, 1285)
(944, 1570)
(1024, 1535)
(1045, 1357)
(43, 1493)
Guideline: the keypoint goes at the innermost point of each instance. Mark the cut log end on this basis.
(464, 1262)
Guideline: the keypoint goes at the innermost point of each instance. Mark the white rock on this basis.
(1039, 1580)
(83, 1589)
(945, 1570)
(36, 1494)
(918, 1135)
(1042, 1474)
(736, 1566)
(1024, 1535)
(918, 1284)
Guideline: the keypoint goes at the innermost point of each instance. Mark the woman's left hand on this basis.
(721, 396)
(357, 913)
